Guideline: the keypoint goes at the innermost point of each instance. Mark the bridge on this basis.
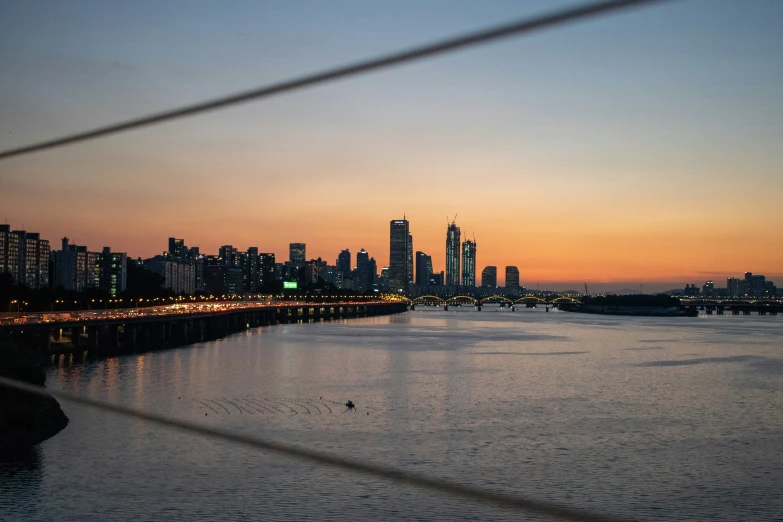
(128, 330)
(529, 301)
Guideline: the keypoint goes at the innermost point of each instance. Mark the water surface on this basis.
(644, 418)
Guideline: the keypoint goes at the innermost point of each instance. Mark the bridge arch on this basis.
(459, 299)
(427, 299)
(530, 299)
(493, 298)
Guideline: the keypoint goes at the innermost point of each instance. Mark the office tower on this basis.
(423, 269)
(113, 271)
(452, 254)
(296, 255)
(512, 277)
(708, 289)
(489, 276)
(410, 259)
(398, 255)
(437, 279)
(364, 279)
(469, 263)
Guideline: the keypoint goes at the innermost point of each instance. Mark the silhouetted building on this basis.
(267, 264)
(25, 256)
(177, 250)
(708, 289)
(344, 262)
(452, 255)
(178, 277)
(512, 277)
(364, 277)
(423, 269)
(437, 279)
(691, 290)
(735, 287)
(227, 255)
(489, 276)
(469, 263)
(223, 279)
(113, 271)
(399, 256)
(296, 254)
(410, 259)
(69, 267)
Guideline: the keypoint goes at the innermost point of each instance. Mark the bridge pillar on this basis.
(478, 306)
(547, 307)
(446, 307)
(413, 307)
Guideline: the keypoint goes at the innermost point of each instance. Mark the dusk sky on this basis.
(642, 147)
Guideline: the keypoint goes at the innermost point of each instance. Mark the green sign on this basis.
(290, 285)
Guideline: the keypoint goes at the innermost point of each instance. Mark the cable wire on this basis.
(459, 42)
(396, 475)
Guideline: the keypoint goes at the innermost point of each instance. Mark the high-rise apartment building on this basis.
(296, 255)
(423, 269)
(399, 257)
(252, 270)
(177, 250)
(489, 277)
(267, 263)
(113, 271)
(71, 269)
(512, 277)
(469, 263)
(735, 287)
(227, 255)
(25, 257)
(452, 255)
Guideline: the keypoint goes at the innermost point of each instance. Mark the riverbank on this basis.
(25, 420)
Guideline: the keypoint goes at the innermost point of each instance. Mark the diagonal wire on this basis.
(396, 475)
(459, 42)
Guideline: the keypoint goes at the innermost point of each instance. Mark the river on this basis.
(643, 418)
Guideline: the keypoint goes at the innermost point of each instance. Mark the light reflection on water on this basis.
(645, 418)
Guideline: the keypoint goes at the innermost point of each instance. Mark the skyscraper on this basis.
(267, 264)
(489, 276)
(410, 259)
(512, 277)
(469, 263)
(399, 257)
(344, 263)
(364, 279)
(452, 254)
(252, 275)
(177, 250)
(423, 269)
(296, 255)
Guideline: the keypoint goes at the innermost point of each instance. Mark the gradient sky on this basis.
(643, 147)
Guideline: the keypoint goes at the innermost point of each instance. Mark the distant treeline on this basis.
(661, 300)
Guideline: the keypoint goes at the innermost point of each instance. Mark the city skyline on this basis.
(178, 250)
(661, 169)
